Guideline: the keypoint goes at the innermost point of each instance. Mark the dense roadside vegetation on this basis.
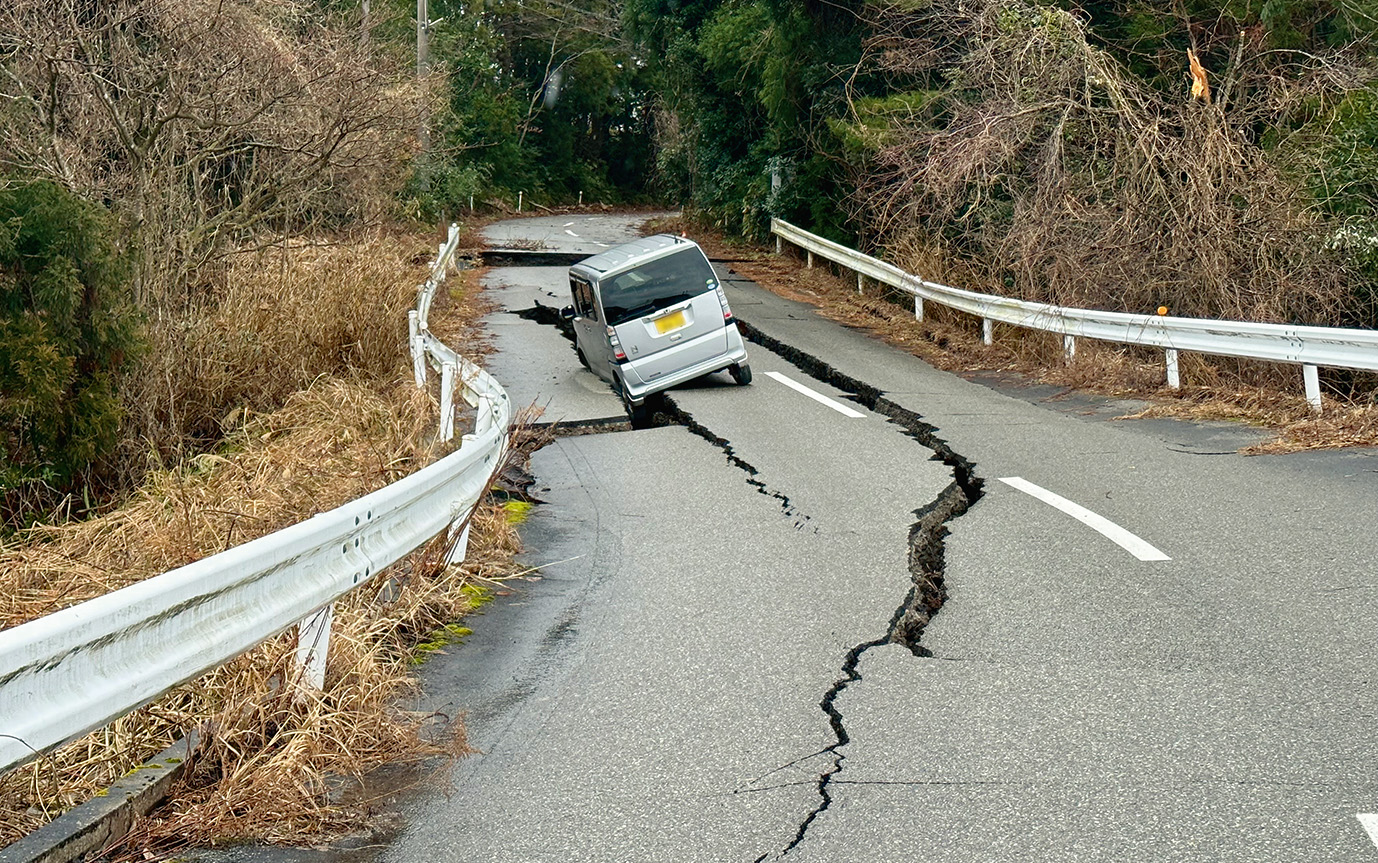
(1054, 150)
(1049, 149)
(1066, 154)
(205, 266)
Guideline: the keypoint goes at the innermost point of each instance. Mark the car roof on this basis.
(636, 252)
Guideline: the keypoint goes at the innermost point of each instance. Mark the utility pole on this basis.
(423, 59)
(423, 29)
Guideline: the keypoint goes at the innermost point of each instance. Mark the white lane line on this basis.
(1116, 534)
(567, 225)
(602, 245)
(1370, 823)
(571, 233)
(818, 397)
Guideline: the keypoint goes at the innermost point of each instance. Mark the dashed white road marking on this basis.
(818, 397)
(602, 245)
(1107, 528)
(1370, 824)
(567, 225)
(571, 233)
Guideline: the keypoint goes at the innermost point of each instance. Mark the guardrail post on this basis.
(810, 265)
(418, 348)
(460, 547)
(1174, 374)
(1069, 348)
(483, 415)
(987, 331)
(779, 245)
(1311, 378)
(447, 401)
(860, 283)
(918, 308)
(519, 201)
(313, 643)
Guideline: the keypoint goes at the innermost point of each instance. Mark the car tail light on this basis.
(618, 354)
(722, 298)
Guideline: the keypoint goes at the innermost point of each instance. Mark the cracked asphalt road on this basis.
(719, 661)
(730, 682)
(706, 595)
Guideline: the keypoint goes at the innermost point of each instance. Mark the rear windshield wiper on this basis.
(646, 308)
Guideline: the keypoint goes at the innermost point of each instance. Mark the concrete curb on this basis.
(87, 829)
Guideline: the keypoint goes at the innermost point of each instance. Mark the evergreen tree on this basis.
(67, 328)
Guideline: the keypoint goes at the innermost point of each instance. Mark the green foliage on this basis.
(544, 98)
(1346, 184)
(67, 328)
(747, 90)
(875, 120)
(1152, 38)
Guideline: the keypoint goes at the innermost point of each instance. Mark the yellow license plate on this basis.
(670, 322)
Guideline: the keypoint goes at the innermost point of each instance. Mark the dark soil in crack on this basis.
(927, 551)
(549, 316)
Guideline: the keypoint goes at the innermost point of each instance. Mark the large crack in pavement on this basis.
(927, 552)
(927, 535)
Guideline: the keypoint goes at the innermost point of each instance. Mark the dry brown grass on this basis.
(329, 444)
(271, 758)
(283, 317)
(264, 771)
(1261, 394)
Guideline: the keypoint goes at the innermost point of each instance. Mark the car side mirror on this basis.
(567, 313)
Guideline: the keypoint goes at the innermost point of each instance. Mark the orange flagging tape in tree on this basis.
(1200, 88)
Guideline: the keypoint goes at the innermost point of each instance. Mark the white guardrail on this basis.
(1309, 347)
(73, 671)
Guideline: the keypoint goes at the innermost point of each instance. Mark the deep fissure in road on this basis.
(927, 550)
(927, 546)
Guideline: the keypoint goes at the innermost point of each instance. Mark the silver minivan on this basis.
(651, 314)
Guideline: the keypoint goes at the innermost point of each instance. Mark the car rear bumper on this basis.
(637, 389)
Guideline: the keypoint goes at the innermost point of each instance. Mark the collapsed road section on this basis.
(690, 615)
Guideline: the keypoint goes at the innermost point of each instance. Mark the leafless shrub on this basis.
(1036, 166)
(200, 121)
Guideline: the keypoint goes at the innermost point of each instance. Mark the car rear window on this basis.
(656, 284)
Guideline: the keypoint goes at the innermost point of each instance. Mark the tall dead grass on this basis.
(281, 318)
(331, 443)
(272, 758)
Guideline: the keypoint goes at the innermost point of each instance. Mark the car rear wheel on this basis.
(583, 360)
(640, 415)
(741, 373)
